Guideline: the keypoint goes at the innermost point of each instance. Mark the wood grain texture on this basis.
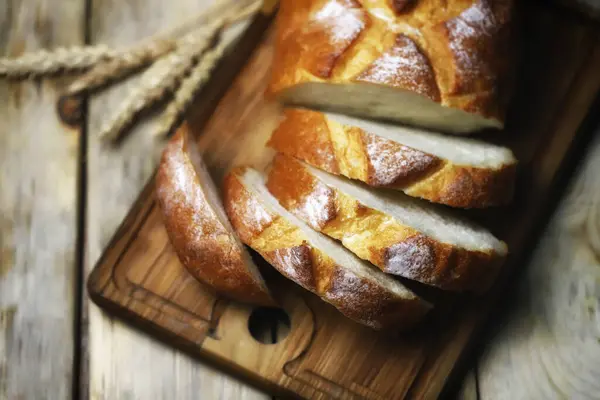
(139, 279)
(38, 206)
(549, 347)
(122, 362)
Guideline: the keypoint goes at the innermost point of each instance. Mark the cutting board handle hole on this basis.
(269, 325)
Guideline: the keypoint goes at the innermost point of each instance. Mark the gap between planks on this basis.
(80, 324)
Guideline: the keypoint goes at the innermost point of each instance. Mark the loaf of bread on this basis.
(455, 171)
(442, 65)
(314, 261)
(198, 227)
(401, 235)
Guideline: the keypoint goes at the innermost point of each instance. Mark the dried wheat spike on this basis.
(123, 65)
(130, 60)
(45, 62)
(157, 81)
(189, 87)
(165, 75)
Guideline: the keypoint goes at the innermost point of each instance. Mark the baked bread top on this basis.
(366, 56)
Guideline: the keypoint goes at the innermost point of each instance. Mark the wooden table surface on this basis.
(62, 195)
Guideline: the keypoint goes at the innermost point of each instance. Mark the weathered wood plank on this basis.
(124, 363)
(549, 345)
(38, 209)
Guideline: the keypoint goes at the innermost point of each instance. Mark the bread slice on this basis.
(444, 66)
(198, 227)
(455, 171)
(401, 235)
(314, 261)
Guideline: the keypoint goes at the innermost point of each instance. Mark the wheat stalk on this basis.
(156, 82)
(165, 75)
(189, 87)
(46, 62)
(123, 65)
(131, 60)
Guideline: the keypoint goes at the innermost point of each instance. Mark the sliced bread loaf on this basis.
(455, 171)
(198, 227)
(401, 235)
(314, 261)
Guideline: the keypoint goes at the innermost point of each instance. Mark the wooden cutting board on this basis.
(322, 354)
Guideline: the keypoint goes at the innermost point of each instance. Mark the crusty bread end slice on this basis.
(198, 227)
(455, 171)
(314, 261)
(399, 234)
(441, 65)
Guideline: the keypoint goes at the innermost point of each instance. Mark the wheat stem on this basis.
(121, 66)
(166, 74)
(189, 87)
(131, 60)
(46, 62)
(156, 82)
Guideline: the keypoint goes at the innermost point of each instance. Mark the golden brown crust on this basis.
(401, 6)
(324, 40)
(297, 261)
(362, 300)
(467, 187)
(390, 164)
(354, 153)
(456, 53)
(306, 134)
(377, 237)
(473, 57)
(248, 217)
(204, 245)
(403, 66)
(319, 209)
(287, 248)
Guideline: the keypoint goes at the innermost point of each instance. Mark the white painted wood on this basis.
(125, 364)
(38, 207)
(549, 348)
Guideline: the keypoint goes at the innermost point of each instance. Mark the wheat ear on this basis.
(189, 87)
(165, 74)
(46, 62)
(123, 65)
(156, 82)
(130, 60)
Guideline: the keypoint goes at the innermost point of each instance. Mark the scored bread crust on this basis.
(205, 243)
(456, 53)
(352, 152)
(375, 236)
(287, 248)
